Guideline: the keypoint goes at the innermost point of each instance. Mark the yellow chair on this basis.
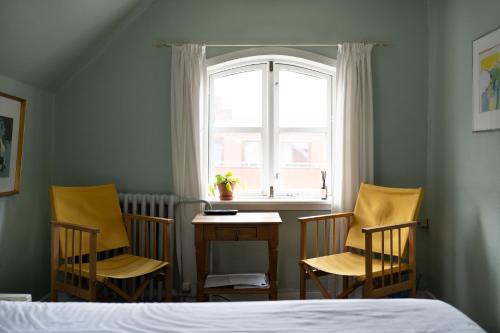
(380, 244)
(88, 222)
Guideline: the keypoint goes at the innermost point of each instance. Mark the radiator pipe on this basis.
(184, 201)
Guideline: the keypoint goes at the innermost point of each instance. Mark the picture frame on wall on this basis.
(12, 113)
(486, 81)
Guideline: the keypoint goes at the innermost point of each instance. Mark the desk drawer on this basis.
(235, 234)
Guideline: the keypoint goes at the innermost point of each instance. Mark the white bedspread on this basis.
(385, 315)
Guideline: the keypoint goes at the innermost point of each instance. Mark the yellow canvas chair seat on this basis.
(351, 264)
(124, 266)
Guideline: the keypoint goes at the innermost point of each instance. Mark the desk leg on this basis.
(201, 246)
(273, 261)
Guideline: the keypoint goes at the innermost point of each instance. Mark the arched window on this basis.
(270, 123)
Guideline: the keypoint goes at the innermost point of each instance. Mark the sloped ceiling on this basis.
(42, 43)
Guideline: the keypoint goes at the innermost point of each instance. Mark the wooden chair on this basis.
(89, 221)
(379, 248)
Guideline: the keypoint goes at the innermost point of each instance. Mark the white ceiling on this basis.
(43, 42)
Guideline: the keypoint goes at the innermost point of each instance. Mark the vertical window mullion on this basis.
(211, 136)
(329, 135)
(271, 128)
(276, 131)
(266, 110)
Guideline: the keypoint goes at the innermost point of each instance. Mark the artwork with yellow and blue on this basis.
(489, 79)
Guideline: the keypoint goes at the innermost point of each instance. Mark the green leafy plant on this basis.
(228, 179)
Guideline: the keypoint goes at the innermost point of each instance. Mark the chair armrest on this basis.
(370, 230)
(385, 275)
(162, 220)
(154, 254)
(325, 216)
(68, 283)
(66, 225)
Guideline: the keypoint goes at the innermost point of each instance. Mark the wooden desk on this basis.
(239, 227)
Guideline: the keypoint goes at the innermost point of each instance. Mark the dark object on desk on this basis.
(221, 211)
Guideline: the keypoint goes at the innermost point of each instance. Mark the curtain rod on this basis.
(169, 44)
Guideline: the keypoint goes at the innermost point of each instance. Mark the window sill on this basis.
(265, 204)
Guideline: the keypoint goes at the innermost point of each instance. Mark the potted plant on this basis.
(225, 184)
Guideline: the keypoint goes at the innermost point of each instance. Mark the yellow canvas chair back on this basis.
(379, 206)
(95, 206)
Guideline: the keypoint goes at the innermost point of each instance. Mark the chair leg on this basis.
(347, 291)
(413, 291)
(318, 284)
(303, 276)
(345, 282)
(93, 293)
(168, 283)
(53, 295)
(366, 291)
(413, 277)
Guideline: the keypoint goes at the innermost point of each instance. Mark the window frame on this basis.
(225, 65)
(263, 130)
(277, 130)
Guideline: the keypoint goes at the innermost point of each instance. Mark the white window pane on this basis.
(240, 153)
(302, 156)
(303, 100)
(238, 100)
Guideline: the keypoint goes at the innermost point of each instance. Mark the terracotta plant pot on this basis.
(224, 194)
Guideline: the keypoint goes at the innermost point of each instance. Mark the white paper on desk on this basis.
(239, 281)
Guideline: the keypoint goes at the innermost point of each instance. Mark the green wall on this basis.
(112, 119)
(24, 217)
(463, 180)
(114, 115)
(112, 125)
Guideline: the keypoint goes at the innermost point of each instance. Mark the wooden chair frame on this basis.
(76, 284)
(389, 281)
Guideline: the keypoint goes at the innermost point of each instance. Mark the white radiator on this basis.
(159, 205)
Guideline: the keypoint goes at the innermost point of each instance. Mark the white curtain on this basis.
(353, 128)
(353, 124)
(188, 76)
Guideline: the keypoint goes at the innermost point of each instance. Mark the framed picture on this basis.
(12, 110)
(486, 81)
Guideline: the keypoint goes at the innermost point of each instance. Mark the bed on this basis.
(384, 315)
